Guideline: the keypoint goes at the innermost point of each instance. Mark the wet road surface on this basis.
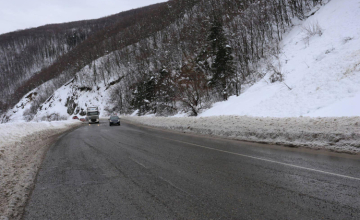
(136, 172)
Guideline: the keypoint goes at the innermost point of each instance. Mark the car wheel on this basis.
(109, 124)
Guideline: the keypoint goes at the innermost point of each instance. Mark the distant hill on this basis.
(33, 56)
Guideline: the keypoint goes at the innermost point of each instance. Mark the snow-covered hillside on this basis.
(319, 62)
(323, 72)
(70, 99)
(73, 99)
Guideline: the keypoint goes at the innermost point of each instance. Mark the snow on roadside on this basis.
(336, 134)
(22, 147)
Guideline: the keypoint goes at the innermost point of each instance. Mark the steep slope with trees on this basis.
(205, 56)
(31, 57)
(182, 55)
(316, 73)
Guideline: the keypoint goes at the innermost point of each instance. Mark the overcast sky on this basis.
(22, 14)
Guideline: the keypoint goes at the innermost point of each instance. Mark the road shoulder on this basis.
(20, 162)
(341, 135)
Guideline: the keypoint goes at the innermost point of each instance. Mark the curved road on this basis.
(136, 172)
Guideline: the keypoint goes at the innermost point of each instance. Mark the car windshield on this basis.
(114, 118)
(92, 113)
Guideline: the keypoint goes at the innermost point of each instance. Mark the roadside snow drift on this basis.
(22, 147)
(336, 134)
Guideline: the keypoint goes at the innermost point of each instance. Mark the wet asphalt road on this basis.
(135, 172)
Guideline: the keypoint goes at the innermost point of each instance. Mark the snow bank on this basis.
(22, 146)
(335, 134)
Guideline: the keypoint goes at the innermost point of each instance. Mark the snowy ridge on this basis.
(335, 134)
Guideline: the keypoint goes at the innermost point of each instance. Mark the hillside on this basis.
(23, 54)
(28, 58)
(322, 70)
(273, 63)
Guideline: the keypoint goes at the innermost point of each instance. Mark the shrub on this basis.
(311, 30)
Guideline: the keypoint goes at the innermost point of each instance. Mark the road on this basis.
(137, 172)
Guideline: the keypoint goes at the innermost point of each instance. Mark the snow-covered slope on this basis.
(56, 107)
(71, 95)
(321, 75)
(323, 72)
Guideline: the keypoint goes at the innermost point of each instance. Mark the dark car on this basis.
(114, 120)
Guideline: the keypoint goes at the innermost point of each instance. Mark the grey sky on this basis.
(22, 14)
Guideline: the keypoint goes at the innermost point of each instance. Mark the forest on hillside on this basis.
(180, 55)
(204, 57)
(30, 57)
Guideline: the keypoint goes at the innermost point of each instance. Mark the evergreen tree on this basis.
(143, 96)
(222, 66)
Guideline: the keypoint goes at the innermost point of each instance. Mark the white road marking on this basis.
(267, 160)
